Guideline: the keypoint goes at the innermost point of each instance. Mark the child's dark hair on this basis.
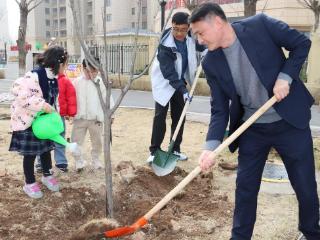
(207, 9)
(85, 61)
(52, 58)
(180, 18)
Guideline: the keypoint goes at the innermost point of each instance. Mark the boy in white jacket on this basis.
(89, 115)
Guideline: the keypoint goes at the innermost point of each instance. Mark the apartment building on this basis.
(53, 19)
(289, 11)
(48, 21)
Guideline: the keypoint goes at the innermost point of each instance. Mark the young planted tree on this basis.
(105, 103)
(250, 7)
(25, 6)
(314, 6)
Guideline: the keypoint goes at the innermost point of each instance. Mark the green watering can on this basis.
(49, 126)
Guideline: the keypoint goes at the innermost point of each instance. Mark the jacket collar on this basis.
(168, 40)
(50, 74)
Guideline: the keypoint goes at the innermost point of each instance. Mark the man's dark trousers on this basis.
(296, 150)
(159, 122)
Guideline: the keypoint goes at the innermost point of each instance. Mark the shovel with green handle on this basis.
(50, 126)
(165, 162)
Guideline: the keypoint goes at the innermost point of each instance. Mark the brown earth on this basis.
(202, 211)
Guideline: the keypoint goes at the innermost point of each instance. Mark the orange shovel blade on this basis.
(123, 231)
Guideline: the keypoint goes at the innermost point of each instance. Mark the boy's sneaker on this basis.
(33, 190)
(51, 183)
(97, 164)
(150, 159)
(181, 156)
(301, 237)
(39, 168)
(62, 167)
(80, 164)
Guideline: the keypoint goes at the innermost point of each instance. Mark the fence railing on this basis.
(120, 56)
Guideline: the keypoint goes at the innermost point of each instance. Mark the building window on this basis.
(63, 23)
(48, 34)
(133, 11)
(144, 10)
(144, 25)
(62, 10)
(55, 23)
(47, 10)
(133, 24)
(90, 31)
(63, 33)
(55, 12)
(108, 17)
(47, 22)
(108, 3)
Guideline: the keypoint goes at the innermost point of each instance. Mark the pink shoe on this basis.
(51, 183)
(33, 190)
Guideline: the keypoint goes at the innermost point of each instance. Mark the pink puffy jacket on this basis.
(27, 102)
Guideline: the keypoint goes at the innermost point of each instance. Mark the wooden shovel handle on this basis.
(187, 103)
(197, 170)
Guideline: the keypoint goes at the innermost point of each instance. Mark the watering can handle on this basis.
(40, 113)
(197, 170)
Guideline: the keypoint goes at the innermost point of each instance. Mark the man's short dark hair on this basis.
(180, 18)
(207, 9)
(84, 63)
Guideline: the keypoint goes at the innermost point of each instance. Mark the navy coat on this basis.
(262, 38)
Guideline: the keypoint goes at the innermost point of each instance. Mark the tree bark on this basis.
(250, 7)
(22, 37)
(316, 20)
(107, 162)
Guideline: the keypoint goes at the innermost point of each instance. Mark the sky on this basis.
(13, 18)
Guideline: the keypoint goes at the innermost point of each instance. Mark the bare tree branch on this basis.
(126, 88)
(265, 5)
(305, 3)
(35, 5)
(314, 6)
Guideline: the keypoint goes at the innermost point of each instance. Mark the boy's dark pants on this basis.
(296, 150)
(159, 122)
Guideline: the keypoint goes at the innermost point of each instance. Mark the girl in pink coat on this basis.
(36, 91)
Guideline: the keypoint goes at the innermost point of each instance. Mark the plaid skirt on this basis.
(26, 143)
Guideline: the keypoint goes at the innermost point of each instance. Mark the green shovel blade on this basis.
(162, 158)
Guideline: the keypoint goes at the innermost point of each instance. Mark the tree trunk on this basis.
(107, 163)
(250, 7)
(316, 20)
(22, 37)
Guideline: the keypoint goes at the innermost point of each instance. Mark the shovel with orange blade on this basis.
(122, 231)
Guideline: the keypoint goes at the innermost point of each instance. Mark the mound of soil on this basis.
(198, 210)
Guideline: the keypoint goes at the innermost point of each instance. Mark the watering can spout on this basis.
(59, 139)
(50, 126)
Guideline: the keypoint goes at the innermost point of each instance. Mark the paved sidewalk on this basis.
(199, 109)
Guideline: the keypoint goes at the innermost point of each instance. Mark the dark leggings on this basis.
(28, 166)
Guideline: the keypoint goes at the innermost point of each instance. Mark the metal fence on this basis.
(120, 56)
